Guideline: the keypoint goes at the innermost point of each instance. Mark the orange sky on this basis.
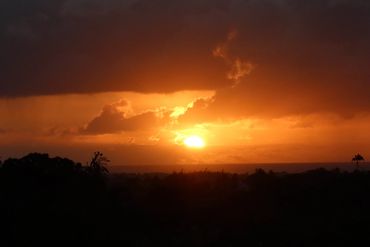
(137, 128)
(258, 81)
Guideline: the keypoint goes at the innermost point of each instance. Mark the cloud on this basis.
(113, 120)
(91, 46)
(282, 57)
(238, 67)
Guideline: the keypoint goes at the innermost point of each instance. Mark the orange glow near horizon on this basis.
(175, 125)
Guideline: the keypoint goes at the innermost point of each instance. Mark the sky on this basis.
(259, 81)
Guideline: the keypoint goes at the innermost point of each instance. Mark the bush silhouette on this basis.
(358, 158)
(58, 202)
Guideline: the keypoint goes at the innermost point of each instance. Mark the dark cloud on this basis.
(91, 46)
(113, 120)
(307, 56)
(251, 100)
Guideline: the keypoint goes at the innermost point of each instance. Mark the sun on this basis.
(194, 142)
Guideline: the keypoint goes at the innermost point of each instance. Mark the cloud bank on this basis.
(307, 56)
(113, 120)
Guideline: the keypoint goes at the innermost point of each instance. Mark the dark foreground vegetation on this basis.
(57, 202)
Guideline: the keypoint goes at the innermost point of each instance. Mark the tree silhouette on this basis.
(357, 158)
(98, 164)
(47, 200)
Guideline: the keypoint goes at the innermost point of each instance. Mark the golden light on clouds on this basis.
(266, 84)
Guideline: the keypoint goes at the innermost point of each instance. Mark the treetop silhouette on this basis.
(358, 158)
(98, 164)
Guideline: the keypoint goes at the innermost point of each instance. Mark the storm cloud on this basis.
(307, 56)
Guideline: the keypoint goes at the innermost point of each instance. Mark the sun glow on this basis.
(194, 142)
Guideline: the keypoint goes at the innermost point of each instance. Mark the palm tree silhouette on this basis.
(358, 158)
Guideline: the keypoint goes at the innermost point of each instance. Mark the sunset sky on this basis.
(255, 80)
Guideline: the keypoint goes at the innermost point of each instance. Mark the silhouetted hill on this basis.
(57, 202)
